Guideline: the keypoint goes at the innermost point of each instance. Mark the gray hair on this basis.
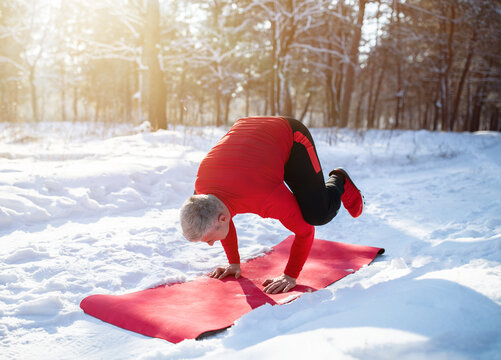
(198, 215)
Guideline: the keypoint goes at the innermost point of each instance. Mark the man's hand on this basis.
(282, 283)
(222, 272)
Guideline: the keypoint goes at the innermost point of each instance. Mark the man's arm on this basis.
(284, 207)
(230, 245)
(301, 246)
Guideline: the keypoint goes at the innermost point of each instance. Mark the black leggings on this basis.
(319, 202)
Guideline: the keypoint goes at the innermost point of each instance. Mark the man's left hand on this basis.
(282, 283)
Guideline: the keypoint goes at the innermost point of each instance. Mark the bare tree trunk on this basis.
(247, 99)
(357, 124)
(447, 58)
(424, 121)
(399, 97)
(399, 94)
(75, 103)
(181, 95)
(306, 106)
(370, 100)
(450, 57)
(495, 119)
(437, 108)
(331, 118)
(63, 92)
(287, 107)
(157, 92)
(372, 111)
(267, 89)
(98, 110)
(34, 95)
(227, 101)
(218, 107)
(478, 103)
(467, 121)
(350, 72)
(274, 69)
(127, 109)
(464, 73)
(200, 112)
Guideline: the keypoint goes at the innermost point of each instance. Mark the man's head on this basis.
(204, 218)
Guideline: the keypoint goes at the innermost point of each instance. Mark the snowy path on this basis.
(84, 212)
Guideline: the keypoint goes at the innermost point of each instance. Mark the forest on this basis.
(386, 64)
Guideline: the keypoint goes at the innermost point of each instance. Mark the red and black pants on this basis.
(319, 201)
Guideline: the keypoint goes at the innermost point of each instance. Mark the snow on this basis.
(93, 208)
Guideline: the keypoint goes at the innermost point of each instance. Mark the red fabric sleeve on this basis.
(230, 245)
(300, 250)
(283, 206)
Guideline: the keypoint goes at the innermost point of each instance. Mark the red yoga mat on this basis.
(191, 309)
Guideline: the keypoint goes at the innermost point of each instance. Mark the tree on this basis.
(350, 71)
(157, 101)
(430, 64)
(11, 67)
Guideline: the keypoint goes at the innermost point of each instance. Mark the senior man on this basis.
(267, 166)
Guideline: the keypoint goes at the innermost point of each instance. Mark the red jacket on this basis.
(245, 170)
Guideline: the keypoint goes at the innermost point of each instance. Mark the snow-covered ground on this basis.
(88, 209)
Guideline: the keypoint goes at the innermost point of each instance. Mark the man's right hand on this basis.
(222, 272)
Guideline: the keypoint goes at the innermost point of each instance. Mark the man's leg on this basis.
(319, 202)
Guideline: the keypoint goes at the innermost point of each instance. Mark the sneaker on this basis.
(352, 198)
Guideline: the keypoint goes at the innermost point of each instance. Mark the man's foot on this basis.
(352, 198)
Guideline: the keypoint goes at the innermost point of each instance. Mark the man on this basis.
(245, 173)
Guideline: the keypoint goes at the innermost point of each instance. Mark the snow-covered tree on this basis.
(358, 63)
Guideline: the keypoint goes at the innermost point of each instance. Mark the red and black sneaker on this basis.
(352, 198)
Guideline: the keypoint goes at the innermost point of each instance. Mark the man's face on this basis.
(218, 232)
